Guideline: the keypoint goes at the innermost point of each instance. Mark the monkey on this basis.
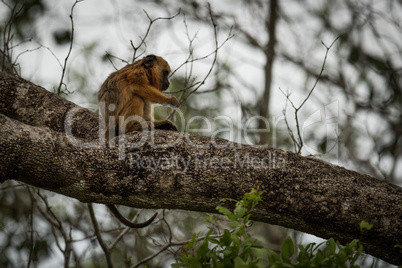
(126, 96)
(125, 100)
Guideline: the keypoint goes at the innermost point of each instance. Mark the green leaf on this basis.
(331, 247)
(240, 232)
(227, 251)
(210, 219)
(236, 240)
(203, 250)
(128, 261)
(239, 263)
(235, 248)
(226, 212)
(364, 225)
(318, 258)
(234, 224)
(246, 218)
(240, 211)
(287, 249)
(228, 199)
(214, 241)
(193, 241)
(273, 257)
(226, 238)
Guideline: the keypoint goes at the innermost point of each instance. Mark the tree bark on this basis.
(48, 142)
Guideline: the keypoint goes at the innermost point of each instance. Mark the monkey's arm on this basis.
(128, 223)
(153, 95)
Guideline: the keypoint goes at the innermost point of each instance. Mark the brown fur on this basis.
(126, 97)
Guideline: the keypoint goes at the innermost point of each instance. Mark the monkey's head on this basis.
(157, 70)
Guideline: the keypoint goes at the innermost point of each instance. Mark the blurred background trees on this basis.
(352, 118)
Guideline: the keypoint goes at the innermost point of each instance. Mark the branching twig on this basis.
(56, 224)
(136, 48)
(171, 244)
(190, 60)
(98, 234)
(107, 249)
(110, 56)
(124, 231)
(295, 142)
(143, 43)
(31, 227)
(6, 51)
(320, 74)
(163, 248)
(299, 143)
(51, 52)
(69, 50)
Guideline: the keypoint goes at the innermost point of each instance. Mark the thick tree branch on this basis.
(180, 171)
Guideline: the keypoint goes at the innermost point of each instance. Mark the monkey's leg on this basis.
(131, 124)
(128, 223)
(131, 116)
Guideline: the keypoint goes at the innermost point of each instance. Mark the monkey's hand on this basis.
(174, 102)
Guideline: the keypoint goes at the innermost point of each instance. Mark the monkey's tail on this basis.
(128, 223)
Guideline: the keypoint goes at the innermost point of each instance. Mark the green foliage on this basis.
(327, 254)
(234, 248)
(237, 248)
(128, 261)
(365, 226)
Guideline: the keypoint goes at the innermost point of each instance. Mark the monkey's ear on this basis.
(148, 61)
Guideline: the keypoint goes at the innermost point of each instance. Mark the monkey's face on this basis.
(164, 75)
(165, 80)
(158, 71)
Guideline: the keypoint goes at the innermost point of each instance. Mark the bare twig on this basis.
(295, 142)
(194, 86)
(98, 234)
(110, 56)
(59, 91)
(31, 239)
(51, 52)
(107, 249)
(299, 143)
(124, 231)
(6, 51)
(163, 248)
(170, 243)
(320, 74)
(56, 224)
(143, 43)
